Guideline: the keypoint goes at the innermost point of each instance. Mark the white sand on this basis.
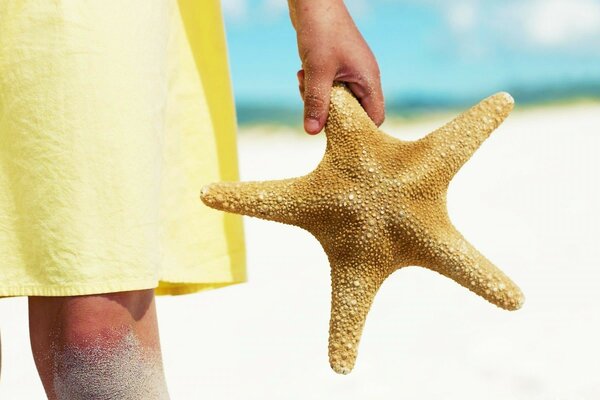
(529, 200)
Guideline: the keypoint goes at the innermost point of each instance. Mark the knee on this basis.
(122, 370)
(91, 321)
(104, 319)
(84, 321)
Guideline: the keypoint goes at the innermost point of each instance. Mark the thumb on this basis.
(317, 89)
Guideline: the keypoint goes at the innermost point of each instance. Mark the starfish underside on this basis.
(377, 204)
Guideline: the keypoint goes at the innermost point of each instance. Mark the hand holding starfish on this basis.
(331, 48)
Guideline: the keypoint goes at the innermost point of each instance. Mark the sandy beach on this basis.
(529, 200)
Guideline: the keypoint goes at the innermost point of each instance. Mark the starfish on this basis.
(377, 204)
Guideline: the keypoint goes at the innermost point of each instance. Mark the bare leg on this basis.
(99, 347)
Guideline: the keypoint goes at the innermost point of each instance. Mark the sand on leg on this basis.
(100, 347)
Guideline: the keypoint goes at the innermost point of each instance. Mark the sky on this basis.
(428, 48)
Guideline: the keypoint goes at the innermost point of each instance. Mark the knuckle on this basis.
(361, 79)
(311, 62)
(318, 64)
(314, 102)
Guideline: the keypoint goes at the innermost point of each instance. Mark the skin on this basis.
(332, 49)
(100, 321)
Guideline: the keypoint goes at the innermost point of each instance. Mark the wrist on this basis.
(306, 14)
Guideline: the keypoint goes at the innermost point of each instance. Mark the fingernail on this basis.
(311, 125)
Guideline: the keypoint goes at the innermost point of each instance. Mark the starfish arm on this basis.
(272, 200)
(457, 259)
(446, 149)
(353, 288)
(348, 125)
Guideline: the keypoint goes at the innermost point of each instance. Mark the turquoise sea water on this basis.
(432, 54)
(415, 105)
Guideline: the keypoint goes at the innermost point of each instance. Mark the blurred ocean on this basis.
(424, 105)
(434, 55)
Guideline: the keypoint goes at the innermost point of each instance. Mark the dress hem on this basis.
(77, 289)
(164, 286)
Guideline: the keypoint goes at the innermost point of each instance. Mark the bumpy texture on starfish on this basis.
(377, 204)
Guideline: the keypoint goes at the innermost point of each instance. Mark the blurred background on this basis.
(528, 200)
(433, 54)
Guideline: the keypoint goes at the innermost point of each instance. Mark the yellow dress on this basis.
(113, 115)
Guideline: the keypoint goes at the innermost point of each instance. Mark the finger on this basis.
(300, 76)
(317, 89)
(370, 95)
